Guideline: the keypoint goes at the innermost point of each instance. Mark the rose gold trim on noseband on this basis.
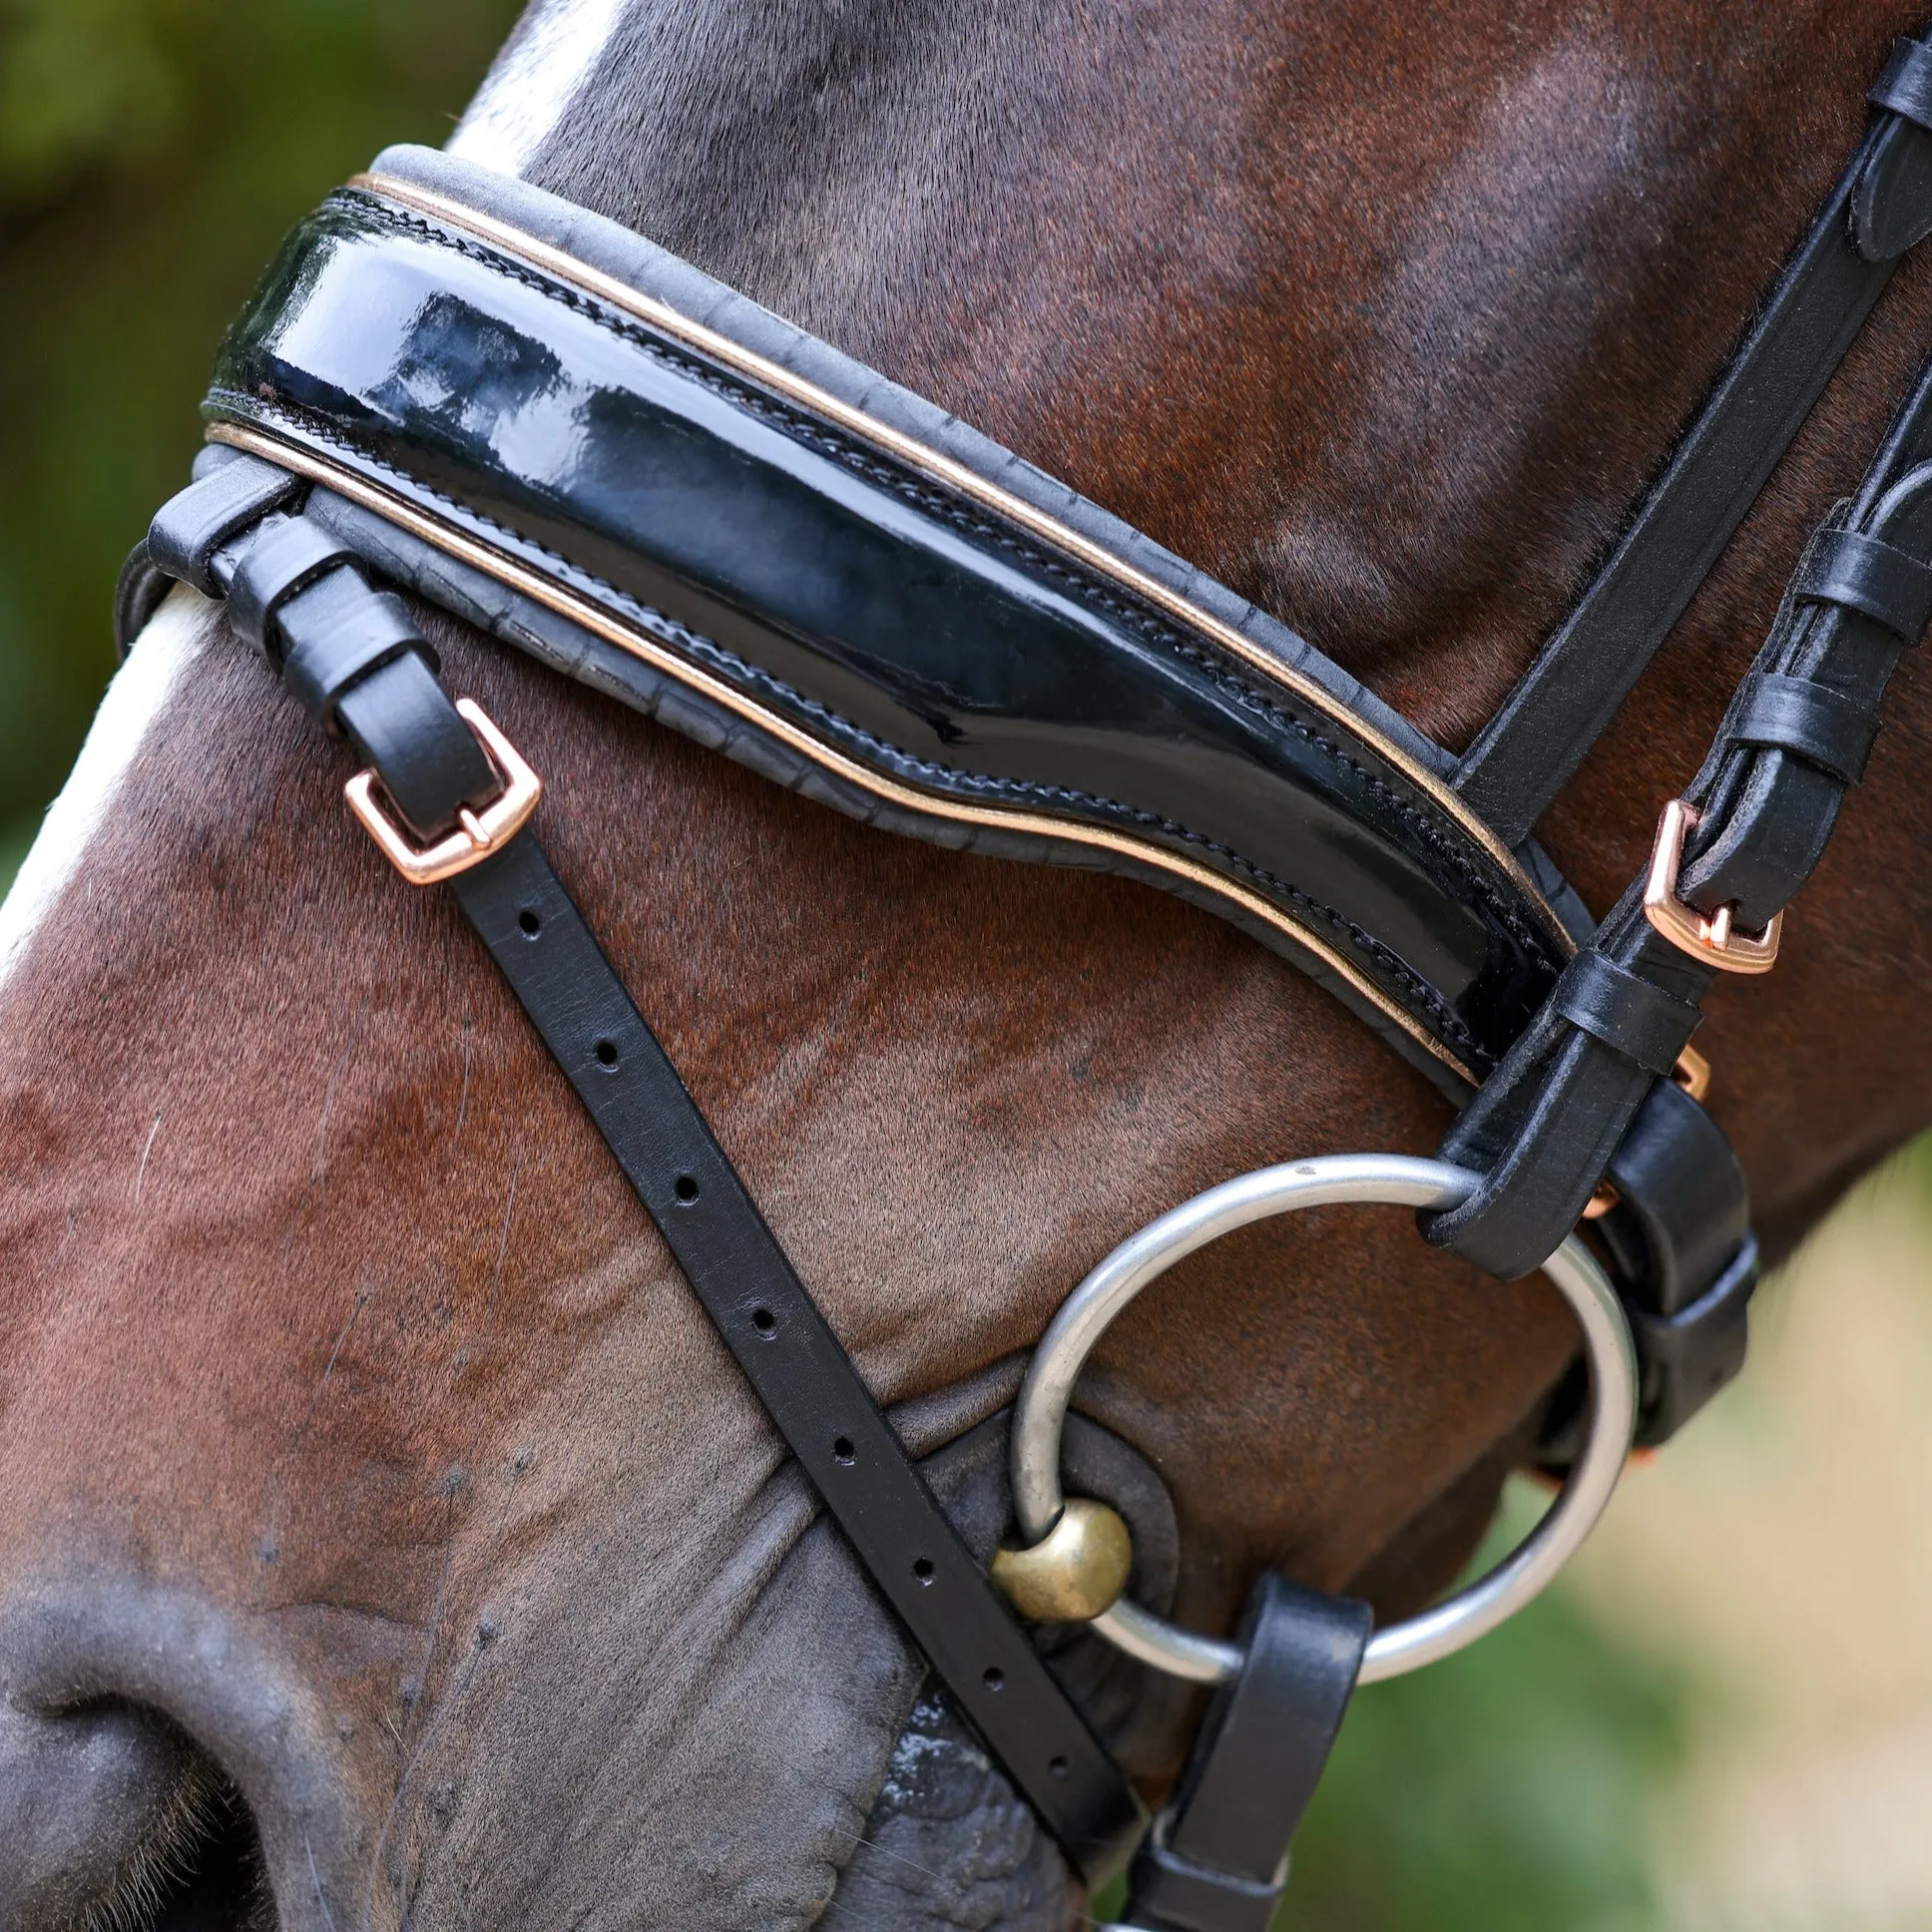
(720, 348)
(581, 611)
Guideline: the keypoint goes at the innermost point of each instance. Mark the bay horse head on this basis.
(384, 1530)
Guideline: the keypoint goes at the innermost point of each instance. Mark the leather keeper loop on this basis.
(1866, 575)
(1822, 726)
(400, 720)
(1171, 1893)
(334, 633)
(1685, 1358)
(197, 522)
(1905, 87)
(286, 555)
(1624, 1011)
(1218, 1858)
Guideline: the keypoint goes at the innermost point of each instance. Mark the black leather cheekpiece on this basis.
(1217, 1860)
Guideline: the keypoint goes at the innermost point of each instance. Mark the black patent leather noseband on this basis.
(773, 549)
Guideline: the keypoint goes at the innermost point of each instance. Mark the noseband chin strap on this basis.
(466, 388)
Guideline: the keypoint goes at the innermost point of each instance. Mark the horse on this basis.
(383, 1532)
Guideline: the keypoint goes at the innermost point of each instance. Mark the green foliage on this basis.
(1504, 1789)
(152, 153)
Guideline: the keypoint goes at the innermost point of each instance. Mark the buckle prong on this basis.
(477, 834)
(1718, 940)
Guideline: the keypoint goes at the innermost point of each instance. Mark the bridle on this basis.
(734, 528)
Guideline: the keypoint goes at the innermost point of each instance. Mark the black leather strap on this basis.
(1642, 1022)
(1865, 573)
(1553, 1118)
(334, 633)
(429, 760)
(791, 1357)
(223, 500)
(1822, 726)
(1529, 750)
(353, 655)
(1217, 1859)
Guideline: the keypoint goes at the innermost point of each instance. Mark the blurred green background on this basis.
(152, 152)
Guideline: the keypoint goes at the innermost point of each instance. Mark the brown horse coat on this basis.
(351, 1413)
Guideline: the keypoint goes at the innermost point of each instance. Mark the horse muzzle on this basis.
(112, 1815)
(160, 1772)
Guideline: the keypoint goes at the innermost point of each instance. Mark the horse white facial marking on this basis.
(137, 696)
(533, 81)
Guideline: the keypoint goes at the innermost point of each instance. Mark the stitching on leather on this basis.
(922, 495)
(1423, 998)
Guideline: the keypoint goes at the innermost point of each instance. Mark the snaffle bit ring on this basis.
(1333, 1181)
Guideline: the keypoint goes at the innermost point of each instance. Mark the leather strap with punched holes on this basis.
(356, 658)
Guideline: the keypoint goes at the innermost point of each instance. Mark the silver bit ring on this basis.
(1331, 1181)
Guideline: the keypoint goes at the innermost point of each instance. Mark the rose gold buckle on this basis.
(477, 833)
(1716, 940)
(1693, 1073)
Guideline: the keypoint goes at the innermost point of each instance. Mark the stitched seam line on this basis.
(921, 495)
(1423, 999)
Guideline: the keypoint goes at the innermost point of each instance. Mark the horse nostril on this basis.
(102, 1810)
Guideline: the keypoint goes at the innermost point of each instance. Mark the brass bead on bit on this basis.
(1075, 1572)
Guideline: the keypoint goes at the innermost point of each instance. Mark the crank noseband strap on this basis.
(303, 605)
